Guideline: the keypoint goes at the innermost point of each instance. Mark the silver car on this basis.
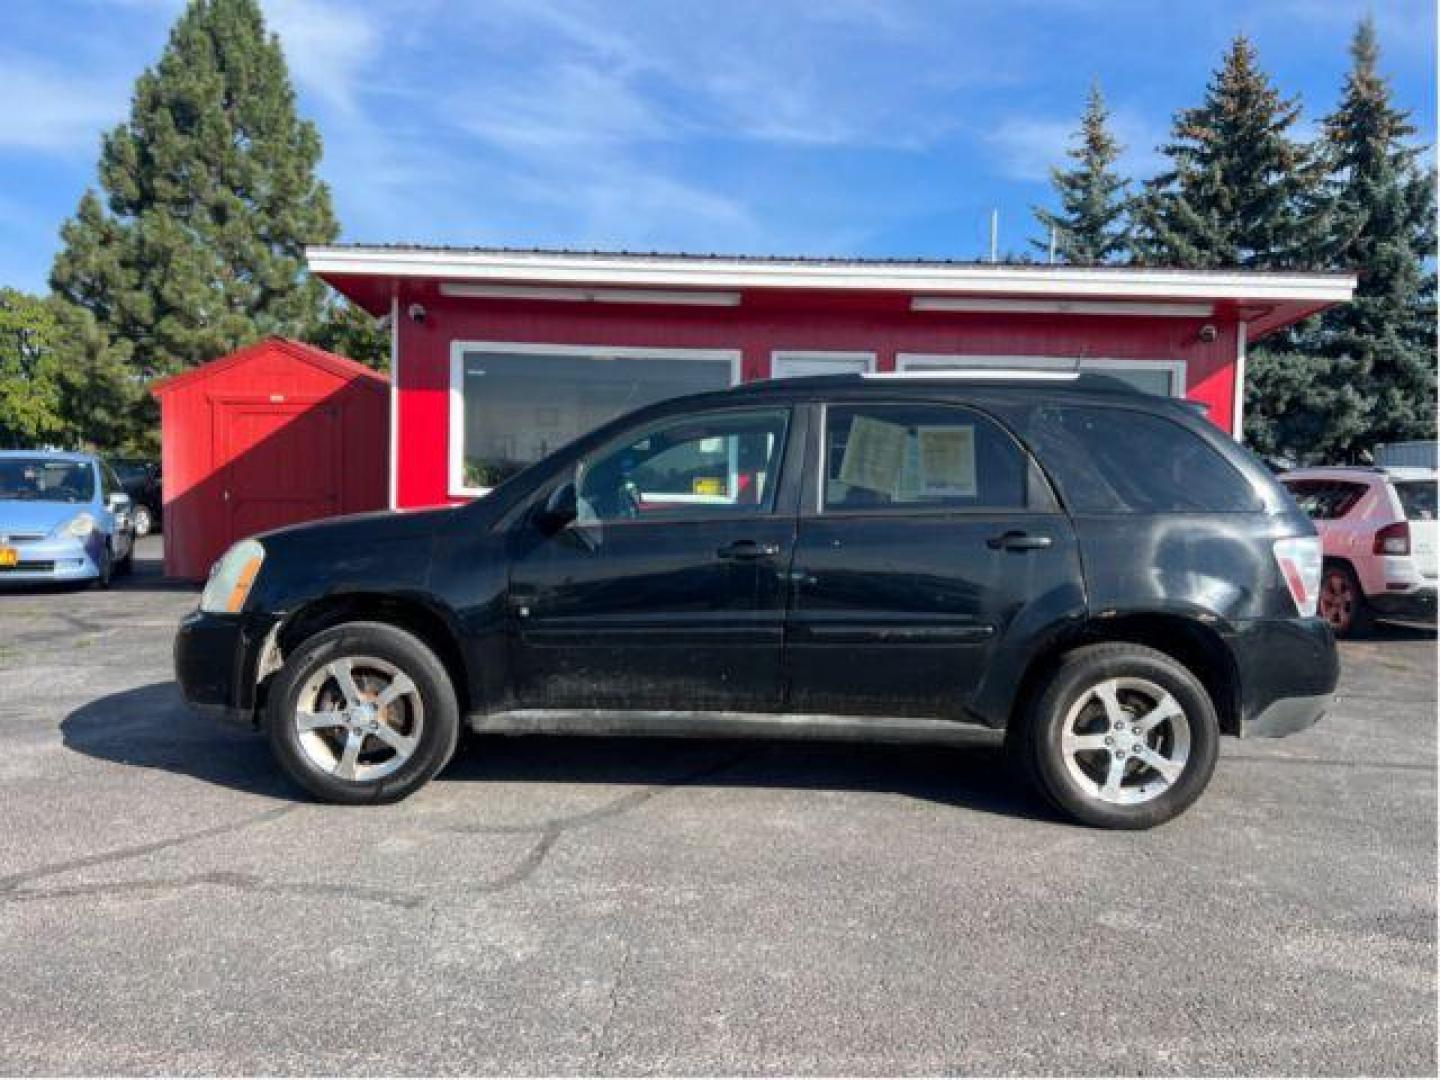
(63, 518)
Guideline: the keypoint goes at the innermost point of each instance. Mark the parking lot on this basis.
(168, 903)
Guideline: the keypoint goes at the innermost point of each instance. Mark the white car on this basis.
(1378, 530)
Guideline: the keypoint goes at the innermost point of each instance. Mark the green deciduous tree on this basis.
(1090, 226)
(1240, 190)
(29, 372)
(210, 196)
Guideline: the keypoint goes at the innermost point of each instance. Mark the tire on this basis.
(1075, 770)
(384, 755)
(107, 568)
(144, 520)
(1342, 602)
(127, 564)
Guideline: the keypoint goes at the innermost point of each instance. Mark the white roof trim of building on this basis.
(554, 268)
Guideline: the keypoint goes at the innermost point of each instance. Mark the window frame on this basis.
(778, 357)
(455, 486)
(1098, 365)
(1041, 497)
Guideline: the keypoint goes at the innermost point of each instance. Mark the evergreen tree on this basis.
(1090, 226)
(1240, 191)
(210, 197)
(1364, 372)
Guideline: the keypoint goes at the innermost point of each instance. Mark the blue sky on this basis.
(869, 127)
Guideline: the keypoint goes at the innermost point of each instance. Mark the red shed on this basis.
(499, 356)
(276, 433)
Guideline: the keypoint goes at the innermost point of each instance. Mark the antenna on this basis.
(994, 234)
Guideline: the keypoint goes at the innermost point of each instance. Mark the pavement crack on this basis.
(12, 882)
(219, 879)
(552, 829)
(612, 1005)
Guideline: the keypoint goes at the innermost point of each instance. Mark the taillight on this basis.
(1393, 539)
(1299, 560)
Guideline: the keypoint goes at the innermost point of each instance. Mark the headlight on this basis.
(80, 526)
(231, 578)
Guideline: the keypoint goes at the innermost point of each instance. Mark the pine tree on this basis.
(1367, 368)
(210, 196)
(1090, 226)
(1240, 191)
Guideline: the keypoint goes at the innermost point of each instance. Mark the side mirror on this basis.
(119, 502)
(560, 509)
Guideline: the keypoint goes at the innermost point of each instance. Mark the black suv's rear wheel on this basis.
(362, 713)
(1121, 737)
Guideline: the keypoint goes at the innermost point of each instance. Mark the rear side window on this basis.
(1109, 460)
(920, 457)
(1417, 498)
(1325, 500)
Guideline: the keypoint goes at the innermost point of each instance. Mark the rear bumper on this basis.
(1417, 605)
(216, 658)
(1288, 671)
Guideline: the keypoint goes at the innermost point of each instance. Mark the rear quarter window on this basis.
(1325, 500)
(1120, 460)
(1417, 499)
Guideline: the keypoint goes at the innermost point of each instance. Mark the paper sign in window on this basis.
(947, 462)
(874, 455)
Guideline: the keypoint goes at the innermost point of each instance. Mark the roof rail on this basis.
(977, 373)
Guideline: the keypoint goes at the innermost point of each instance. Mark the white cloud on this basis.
(53, 109)
(329, 47)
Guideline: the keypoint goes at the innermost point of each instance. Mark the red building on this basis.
(501, 356)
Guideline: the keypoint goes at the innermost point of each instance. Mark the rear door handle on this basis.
(748, 549)
(1017, 540)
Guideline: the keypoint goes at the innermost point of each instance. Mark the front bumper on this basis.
(55, 559)
(1417, 605)
(216, 660)
(1288, 671)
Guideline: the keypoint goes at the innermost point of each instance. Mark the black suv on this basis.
(1099, 572)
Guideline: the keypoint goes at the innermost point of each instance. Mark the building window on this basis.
(1163, 377)
(792, 363)
(512, 404)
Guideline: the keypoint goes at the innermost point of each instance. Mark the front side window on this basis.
(515, 408)
(712, 464)
(1325, 500)
(919, 457)
(1109, 460)
(41, 480)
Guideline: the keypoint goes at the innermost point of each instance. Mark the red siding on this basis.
(291, 433)
(761, 324)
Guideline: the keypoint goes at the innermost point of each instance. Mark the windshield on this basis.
(132, 472)
(1417, 498)
(46, 480)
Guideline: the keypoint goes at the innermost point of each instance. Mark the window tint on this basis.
(923, 457)
(47, 480)
(1115, 460)
(1417, 498)
(1325, 500)
(720, 463)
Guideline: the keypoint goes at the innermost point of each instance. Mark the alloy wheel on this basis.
(1125, 741)
(1337, 600)
(359, 718)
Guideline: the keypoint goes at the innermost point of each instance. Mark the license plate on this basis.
(9, 556)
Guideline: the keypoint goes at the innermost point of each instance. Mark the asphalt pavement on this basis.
(168, 903)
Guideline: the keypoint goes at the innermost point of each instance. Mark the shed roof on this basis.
(340, 366)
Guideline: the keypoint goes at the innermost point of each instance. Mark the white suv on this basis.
(1378, 529)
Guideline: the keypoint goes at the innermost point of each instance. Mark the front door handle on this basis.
(1018, 540)
(748, 549)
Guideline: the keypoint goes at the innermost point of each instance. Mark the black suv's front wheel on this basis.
(1121, 737)
(362, 713)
